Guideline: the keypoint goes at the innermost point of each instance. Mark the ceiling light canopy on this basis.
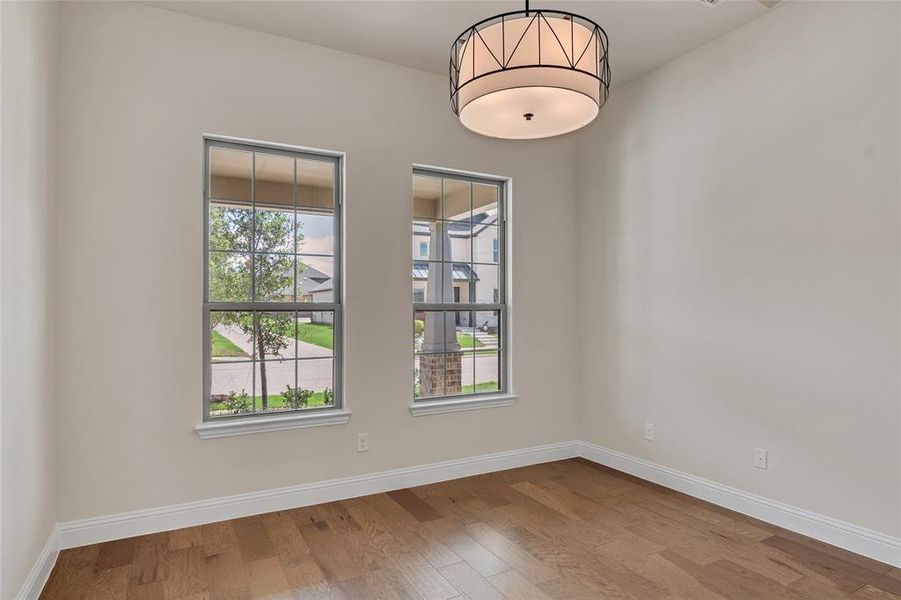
(529, 74)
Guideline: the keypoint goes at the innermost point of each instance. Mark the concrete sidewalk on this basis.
(303, 349)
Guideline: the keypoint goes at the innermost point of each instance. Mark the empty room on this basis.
(445, 300)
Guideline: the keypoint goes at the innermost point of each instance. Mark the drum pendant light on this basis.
(529, 74)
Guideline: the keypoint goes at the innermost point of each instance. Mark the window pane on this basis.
(229, 277)
(426, 197)
(231, 174)
(315, 279)
(457, 200)
(458, 367)
(229, 226)
(428, 375)
(274, 182)
(484, 201)
(316, 184)
(231, 385)
(274, 335)
(273, 377)
(431, 330)
(428, 240)
(487, 372)
(487, 280)
(274, 229)
(487, 324)
(274, 278)
(315, 232)
(486, 244)
(315, 382)
(231, 337)
(466, 283)
(466, 338)
(315, 334)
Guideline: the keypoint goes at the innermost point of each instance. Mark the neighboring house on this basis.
(316, 286)
(475, 254)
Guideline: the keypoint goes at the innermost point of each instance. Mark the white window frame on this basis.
(336, 414)
(505, 396)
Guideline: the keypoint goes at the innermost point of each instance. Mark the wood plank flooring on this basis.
(563, 530)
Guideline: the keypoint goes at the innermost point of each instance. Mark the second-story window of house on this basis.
(459, 308)
(423, 249)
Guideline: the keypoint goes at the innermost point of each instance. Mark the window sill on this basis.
(433, 407)
(246, 426)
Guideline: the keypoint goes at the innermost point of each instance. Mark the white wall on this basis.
(739, 227)
(139, 86)
(27, 119)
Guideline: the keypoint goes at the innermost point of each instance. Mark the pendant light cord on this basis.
(527, 8)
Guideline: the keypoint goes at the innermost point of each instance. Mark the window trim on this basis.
(506, 395)
(339, 413)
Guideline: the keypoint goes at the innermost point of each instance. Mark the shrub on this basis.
(296, 397)
(328, 396)
(238, 403)
(418, 326)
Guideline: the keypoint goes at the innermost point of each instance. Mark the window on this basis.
(424, 249)
(272, 296)
(459, 290)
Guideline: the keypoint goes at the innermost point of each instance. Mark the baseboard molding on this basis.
(40, 571)
(123, 525)
(71, 534)
(873, 544)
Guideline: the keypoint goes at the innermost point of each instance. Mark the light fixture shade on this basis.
(529, 74)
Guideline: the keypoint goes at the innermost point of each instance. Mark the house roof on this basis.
(311, 280)
(462, 271)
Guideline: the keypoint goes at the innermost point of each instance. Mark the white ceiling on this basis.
(644, 34)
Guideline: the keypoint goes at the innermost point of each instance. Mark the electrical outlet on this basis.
(649, 431)
(362, 442)
(760, 458)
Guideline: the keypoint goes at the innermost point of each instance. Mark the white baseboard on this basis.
(71, 534)
(40, 572)
(140, 522)
(873, 544)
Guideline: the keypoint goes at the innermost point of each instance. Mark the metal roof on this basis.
(462, 271)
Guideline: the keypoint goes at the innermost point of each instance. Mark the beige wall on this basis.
(139, 86)
(739, 214)
(27, 441)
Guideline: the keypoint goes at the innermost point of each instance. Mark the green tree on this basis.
(231, 281)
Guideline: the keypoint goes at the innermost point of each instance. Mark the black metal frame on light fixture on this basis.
(503, 64)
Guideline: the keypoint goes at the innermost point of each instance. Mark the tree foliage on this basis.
(239, 276)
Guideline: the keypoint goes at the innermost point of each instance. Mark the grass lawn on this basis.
(485, 386)
(466, 341)
(224, 347)
(317, 334)
(479, 388)
(275, 401)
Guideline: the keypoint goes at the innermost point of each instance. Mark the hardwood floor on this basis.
(569, 530)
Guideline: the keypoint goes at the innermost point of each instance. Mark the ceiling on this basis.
(644, 34)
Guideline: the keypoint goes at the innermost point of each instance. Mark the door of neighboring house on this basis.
(457, 300)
